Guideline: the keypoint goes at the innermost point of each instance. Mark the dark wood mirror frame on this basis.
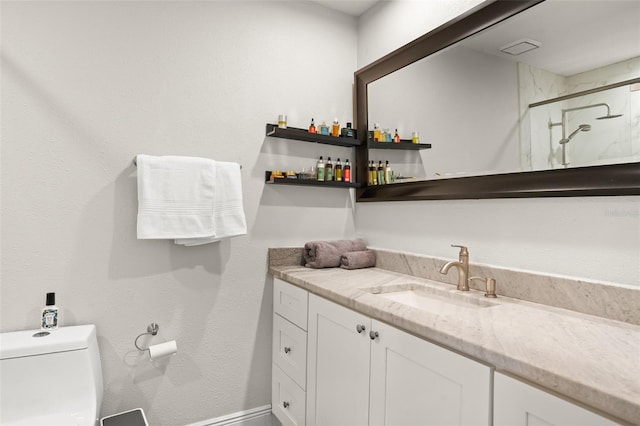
(618, 179)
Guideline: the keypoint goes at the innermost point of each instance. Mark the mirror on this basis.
(556, 114)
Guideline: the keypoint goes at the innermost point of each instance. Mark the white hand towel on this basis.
(228, 210)
(182, 198)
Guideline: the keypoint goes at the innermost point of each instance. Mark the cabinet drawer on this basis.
(290, 302)
(287, 399)
(290, 349)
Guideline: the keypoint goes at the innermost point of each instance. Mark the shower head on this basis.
(581, 128)
(602, 104)
(608, 116)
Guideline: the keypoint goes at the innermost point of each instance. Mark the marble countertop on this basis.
(592, 360)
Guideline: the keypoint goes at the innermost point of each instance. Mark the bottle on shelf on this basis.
(376, 181)
(346, 171)
(348, 132)
(387, 173)
(376, 132)
(312, 127)
(337, 172)
(372, 173)
(320, 170)
(380, 173)
(387, 135)
(328, 170)
(396, 137)
(335, 128)
(324, 129)
(415, 137)
(282, 121)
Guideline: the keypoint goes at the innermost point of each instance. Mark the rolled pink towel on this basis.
(327, 254)
(358, 259)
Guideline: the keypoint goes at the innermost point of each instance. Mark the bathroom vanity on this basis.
(378, 346)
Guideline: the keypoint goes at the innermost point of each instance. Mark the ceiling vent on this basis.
(520, 46)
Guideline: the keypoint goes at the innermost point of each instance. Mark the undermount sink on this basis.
(432, 299)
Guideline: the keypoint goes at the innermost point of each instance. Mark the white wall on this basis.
(452, 99)
(391, 24)
(591, 238)
(88, 85)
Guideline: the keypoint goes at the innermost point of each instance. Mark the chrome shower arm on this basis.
(564, 111)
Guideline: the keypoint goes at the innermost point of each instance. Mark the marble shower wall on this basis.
(608, 141)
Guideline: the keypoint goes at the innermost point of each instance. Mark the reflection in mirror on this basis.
(538, 106)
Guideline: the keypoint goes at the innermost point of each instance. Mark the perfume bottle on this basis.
(324, 129)
(312, 127)
(335, 128)
(351, 132)
(396, 137)
(347, 132)
(376, 133)
(49, 318)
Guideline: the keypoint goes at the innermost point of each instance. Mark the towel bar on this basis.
(135, 163)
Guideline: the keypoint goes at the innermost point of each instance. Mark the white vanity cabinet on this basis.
(415, 382)
(519, 404)
(361, 371)
(289, 353)
(338, 365)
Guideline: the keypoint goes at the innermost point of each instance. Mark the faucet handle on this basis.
(491, 286)
(463, 249)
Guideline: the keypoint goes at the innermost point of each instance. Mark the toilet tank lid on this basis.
(17, 344)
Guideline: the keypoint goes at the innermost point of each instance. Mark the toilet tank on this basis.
(50, 377)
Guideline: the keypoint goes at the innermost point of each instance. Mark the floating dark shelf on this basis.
(405, 144)
(309, 182)
(304, 136)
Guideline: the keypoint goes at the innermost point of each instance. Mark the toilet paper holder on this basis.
(152, 329)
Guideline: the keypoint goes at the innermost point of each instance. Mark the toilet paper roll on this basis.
(163, 349)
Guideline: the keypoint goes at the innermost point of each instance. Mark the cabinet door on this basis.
(414, 382)
(517, 403)
(338, 365)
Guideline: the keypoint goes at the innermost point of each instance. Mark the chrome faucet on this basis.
(463, 268)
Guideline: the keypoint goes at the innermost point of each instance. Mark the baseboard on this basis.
(234, 418)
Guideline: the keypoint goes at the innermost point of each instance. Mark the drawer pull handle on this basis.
(360, 328)
(373, 335)
(287, 350)
(285, 404)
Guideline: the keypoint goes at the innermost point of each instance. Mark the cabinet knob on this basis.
(360, 328)
(373, 335)
(285, 404)
(287, 350)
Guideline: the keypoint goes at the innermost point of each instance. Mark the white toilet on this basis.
(50, 378)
